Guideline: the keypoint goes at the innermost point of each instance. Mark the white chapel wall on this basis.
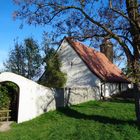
(78, 75)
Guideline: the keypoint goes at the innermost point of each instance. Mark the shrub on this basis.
(53, 76)
(4, 98)
(7, 92)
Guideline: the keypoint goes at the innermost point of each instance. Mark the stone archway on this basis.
(34, 99)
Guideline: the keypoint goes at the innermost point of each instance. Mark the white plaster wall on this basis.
(80, 95)
(110, 88)
(34, 99)
(113, 88)
(78, 74)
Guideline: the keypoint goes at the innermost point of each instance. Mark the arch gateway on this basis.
(34, 99)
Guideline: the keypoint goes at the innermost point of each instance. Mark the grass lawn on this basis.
(94, 120)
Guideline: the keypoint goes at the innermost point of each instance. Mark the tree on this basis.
(33, 58)
(53, 76)
(92, 19)
(16, 60)
(25, 59)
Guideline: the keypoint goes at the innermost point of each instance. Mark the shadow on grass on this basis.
(101, 119)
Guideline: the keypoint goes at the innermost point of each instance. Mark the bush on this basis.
(7, 92)
(4, 98)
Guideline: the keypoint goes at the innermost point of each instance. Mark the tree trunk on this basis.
(133, 14)
(137, 102)
(136, 88)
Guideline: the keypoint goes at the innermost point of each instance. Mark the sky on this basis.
(9, 30)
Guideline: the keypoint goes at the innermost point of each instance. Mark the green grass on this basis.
(94, 120)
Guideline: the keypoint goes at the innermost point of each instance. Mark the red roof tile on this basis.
(98, 63)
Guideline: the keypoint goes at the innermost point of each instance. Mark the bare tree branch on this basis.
(120, 13)
(111, 34)
(126, 39)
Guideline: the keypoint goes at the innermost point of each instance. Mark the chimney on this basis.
(107, 48)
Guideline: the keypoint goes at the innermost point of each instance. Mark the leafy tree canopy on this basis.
(25, 59)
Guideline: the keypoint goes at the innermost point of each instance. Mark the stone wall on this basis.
(72, 96)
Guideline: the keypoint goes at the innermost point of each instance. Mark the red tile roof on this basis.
(98, 63)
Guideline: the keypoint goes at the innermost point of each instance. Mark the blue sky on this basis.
(9, 30)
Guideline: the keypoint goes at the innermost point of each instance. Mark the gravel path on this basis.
(5, 126)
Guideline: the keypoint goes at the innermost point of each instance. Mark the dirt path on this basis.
(5, 126)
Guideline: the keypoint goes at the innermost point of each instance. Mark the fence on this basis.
(5, 115)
